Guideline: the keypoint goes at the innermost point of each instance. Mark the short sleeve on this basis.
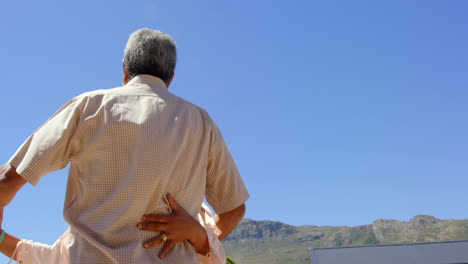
(225, 189)
(49, 148)
(216, 254)
(30, 252)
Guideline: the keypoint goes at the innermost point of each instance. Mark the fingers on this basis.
(174, 205)
(156, 218)
(167, 248)
(152, 226)
(154, 241)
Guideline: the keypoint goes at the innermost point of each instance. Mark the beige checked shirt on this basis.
(127, 147)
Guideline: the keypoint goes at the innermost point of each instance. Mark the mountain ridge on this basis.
(276, 242)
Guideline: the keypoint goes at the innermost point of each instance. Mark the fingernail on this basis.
(143, 218)
(145, 245)
(140, 225)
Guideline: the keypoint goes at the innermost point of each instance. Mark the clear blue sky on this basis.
(336, 112)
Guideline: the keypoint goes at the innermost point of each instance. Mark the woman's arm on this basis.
(8, 245)
(216, 254)
(10, 183)
(176, 227)
(9, 242)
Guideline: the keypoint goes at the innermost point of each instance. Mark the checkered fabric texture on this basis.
(127, 148)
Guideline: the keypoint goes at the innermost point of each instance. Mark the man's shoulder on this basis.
(122, 91)
(100, 92)
(188, 104)
(193, 108)
(91, 98)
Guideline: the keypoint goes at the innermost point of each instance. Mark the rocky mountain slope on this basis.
(275, 242)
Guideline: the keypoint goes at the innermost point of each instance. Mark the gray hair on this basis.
(150, 52)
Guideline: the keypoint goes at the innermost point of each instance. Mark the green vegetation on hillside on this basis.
(275, 242)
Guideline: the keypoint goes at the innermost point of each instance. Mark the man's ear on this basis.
(169, 82)
(124, 74)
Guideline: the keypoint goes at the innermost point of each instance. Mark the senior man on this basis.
(127, 148)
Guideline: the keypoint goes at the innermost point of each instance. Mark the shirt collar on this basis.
(154, 82)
